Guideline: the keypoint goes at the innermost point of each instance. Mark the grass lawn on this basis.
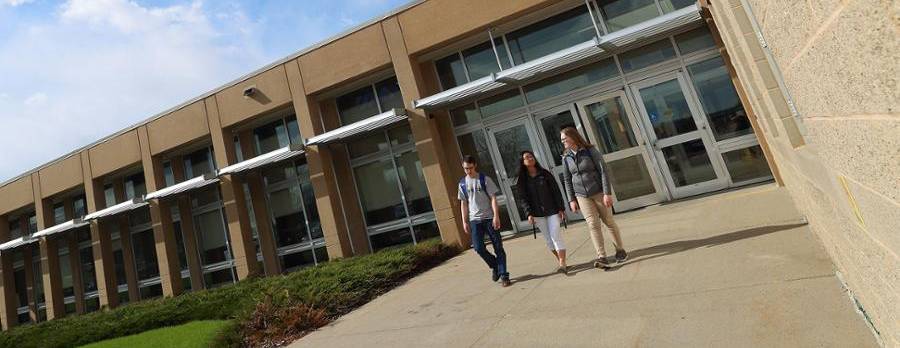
(190, 335)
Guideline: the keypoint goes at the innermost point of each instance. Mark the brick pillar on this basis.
(134, 294)
(240, 233)
(264, 226)
(52, 278)
(101, 243)
(321, 170)
(187, 228)
(8, 316)
(161, 216)
(430, 134)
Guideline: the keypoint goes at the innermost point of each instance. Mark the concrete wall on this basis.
(838, 62)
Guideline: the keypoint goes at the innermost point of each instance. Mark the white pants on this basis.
(549, 227)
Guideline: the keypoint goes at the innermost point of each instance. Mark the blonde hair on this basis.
(572, 133)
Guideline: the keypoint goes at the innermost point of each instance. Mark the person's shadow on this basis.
(661, 250)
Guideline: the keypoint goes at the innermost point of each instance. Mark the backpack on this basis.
(462, 185)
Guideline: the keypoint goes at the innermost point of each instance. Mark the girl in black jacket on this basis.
(539, 196)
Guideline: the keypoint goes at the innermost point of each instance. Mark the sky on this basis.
(75, 71)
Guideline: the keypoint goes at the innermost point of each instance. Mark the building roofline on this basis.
(288, 58)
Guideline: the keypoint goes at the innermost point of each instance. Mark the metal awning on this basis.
(65, 226)
(276, 156)
(579, 54)
(557, 60)
(15, 243)
(187, 185)
(379, 121)
(652, 29)
(116, 209)
(472, 89)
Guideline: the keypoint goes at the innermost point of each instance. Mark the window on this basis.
(550, 35)
(292, 205)
(746, 164)
(32, 223)
(369, 101)
(695, 41)
(648, 55)
(199, 163)
(672, 5)
(79, 205)
(719, 99)
(168, 173)
(65, 268)
(15, 228)
(271, 137)
(59, 213)
(391, 188)
(571, 81)
(500, 103)
(110, 193)
(134, 186)
(620, 14)
(144, 247)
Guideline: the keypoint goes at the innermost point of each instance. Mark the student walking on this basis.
(478, 197)
(540, 198)
(587, 188)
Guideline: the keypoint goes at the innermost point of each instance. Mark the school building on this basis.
(354, 144)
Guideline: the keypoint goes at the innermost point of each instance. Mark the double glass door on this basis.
(539, 134)
(658, 149)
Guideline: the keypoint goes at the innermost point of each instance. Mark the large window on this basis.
(143, 245)
(392, 190)
(295, 218)
(369, 101)
(719, 99)
(552, 34)
(276, 135)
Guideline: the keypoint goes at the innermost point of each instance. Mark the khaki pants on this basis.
(595, 212)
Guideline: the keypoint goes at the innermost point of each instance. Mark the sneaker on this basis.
(505, 282)
(601, 263)
(563, 269)
(494, 274)
(621, 255)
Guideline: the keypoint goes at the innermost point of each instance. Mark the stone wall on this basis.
(822, 77)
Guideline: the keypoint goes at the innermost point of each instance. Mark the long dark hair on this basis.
(522, 174)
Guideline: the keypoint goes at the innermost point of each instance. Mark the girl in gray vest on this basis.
(587, 187)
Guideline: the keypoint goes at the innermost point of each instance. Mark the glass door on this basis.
(550, 123)
(678, 136)
(508, 140)
(616, 133)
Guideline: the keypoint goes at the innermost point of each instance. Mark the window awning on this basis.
(652, 29)
(15, 243)
(187, 185)
(276, 156)
(379, 121)
(116, 209)
(576, 55)
(63, 227)
(472, 89)
(559, 59)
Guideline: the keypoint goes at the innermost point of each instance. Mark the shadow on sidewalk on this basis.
(661, 250)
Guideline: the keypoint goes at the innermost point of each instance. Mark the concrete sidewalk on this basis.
(738, 269)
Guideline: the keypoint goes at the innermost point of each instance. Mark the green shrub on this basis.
(327, 291)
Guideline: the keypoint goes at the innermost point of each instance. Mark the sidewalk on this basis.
(738, 269)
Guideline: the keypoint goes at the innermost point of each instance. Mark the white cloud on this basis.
(108, 64)
(36, 99)
(14, 3)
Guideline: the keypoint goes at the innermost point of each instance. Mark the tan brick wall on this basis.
(839, 153)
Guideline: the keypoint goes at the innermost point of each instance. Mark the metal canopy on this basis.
(652, 29)
(63, 227)
(379, 121)
(559, 59)
(15, 243)
(576, 55)
(184, 186)
(116, 209)
(276, 156)
(475, 88)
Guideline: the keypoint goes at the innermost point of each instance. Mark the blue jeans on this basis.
(479, 229)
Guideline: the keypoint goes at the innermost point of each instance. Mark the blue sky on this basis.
(74, 71)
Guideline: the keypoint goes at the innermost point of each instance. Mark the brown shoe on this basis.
(601, 263)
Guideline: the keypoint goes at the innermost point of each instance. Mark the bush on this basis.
(258, 306)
